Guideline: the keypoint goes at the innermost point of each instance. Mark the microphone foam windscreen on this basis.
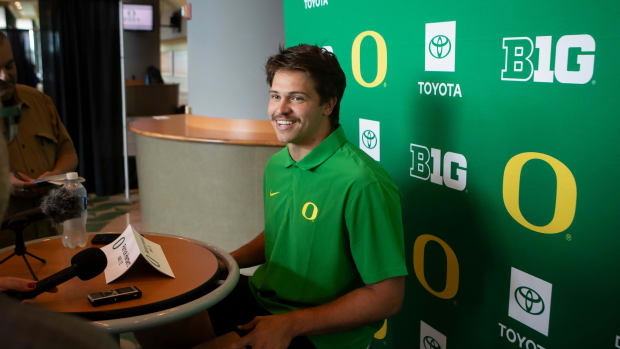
(89, 263)
(61, 204)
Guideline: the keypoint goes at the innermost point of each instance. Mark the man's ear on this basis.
(328, 106)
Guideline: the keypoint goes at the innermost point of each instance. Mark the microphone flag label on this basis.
(123, 252)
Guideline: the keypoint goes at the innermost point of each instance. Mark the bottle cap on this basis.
(72, 175)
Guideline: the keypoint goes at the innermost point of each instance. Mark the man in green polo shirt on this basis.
(332, 252)
(332, 260)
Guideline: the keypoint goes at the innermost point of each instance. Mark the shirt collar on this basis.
(19, 101)
(321, 153)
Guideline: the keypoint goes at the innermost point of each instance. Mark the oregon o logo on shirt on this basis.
(314, 211)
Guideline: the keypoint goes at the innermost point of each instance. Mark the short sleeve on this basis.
(374, 223)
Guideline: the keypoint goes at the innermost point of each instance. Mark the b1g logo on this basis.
(430, 338)
(574, 59)
(454, 167)
(530, 300)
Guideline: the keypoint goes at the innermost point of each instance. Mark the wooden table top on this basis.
(206, 129)
(195, 269)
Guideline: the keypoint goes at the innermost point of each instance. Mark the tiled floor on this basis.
(119, 223)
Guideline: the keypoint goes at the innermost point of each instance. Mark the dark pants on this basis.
(239, 308)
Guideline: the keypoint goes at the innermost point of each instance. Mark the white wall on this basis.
(228, 43)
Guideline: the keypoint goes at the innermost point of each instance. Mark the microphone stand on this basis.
(18, 223)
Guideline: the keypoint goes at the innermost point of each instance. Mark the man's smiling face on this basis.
(296, 112)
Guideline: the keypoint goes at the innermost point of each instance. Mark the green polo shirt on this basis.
(332, 224)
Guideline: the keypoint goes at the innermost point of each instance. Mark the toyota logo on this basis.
(439, 46)
(369, 139)
(529, 300)
(430, 343)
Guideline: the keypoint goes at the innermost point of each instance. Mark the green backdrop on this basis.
(498, 122)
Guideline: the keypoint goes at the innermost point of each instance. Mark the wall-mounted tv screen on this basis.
(137, 17)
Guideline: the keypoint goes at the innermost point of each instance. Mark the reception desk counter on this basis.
(202, 177)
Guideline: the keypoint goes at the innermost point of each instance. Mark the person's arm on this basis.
(65, 163)
(252, 253)
(17, 284)
(361, 306)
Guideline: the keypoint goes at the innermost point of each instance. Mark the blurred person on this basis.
(27, 326)
(38, 143)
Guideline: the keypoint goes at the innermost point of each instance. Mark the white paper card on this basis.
(123, 252)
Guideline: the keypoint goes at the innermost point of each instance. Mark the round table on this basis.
(197, 284)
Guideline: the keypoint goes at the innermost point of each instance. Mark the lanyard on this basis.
(10, 117)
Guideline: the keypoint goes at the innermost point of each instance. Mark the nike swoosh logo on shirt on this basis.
(273, 194)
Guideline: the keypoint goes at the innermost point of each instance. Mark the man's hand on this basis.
(20, 180)
(369, 303)
(268, 332)
(21, 185)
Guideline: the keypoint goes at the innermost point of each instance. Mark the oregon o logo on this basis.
(369, 139)
(529, 300)
(313, 213)
(452, 265)
(381, 58)
(118, 243)
(439, 46)
(565, 197)
(430, 343)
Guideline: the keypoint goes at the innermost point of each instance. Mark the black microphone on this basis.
(58, 205)
(85, 265)
(62, 204)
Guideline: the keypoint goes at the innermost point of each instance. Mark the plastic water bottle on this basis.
(74, 230)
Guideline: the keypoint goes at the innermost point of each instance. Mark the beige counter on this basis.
(201, 177)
